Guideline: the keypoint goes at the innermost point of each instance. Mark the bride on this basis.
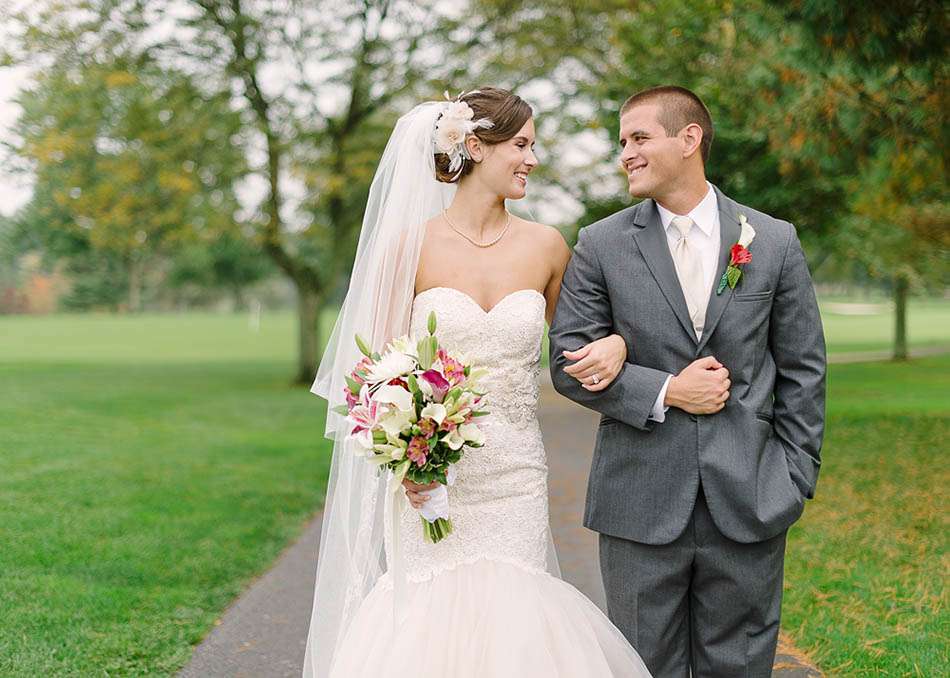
(487, 600)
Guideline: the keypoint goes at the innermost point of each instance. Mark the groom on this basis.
(710, 436)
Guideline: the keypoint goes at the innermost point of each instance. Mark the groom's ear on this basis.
(692, 136)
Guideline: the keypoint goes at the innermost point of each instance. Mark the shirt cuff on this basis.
(658, 413)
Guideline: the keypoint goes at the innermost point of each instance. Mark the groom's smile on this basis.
(649, 156)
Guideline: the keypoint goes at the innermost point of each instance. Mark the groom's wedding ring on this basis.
(595, 380)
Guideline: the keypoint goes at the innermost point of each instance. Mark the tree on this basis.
(128, 166)
(224, 263)
(317, 88)
(724, 52)
(868, 108)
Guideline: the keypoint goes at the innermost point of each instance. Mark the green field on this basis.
(867, 566)
(151, 466)
(928, 325)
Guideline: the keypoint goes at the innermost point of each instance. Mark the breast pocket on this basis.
(753, 296)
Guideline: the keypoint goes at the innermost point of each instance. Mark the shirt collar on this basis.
(704, 215)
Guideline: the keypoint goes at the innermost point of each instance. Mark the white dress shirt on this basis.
(704, 239)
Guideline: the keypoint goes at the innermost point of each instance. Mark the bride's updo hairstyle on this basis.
(507, 111)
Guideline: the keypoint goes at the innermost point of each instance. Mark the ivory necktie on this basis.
(689, 269)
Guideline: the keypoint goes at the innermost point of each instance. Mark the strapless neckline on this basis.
(468, 297)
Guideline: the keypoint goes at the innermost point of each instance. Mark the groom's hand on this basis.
(701, 388)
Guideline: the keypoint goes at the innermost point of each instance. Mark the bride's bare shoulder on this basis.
(434, 228)
(548, 237)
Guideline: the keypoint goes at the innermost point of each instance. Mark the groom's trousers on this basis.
(702, 602)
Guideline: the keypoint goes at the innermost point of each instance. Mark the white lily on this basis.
(453, 439)
(405, 345)
(396, 422)
(395, 452)
(365, 441)
(472, 434)
(435, 411)
(394, 395)
(747, 234)
(425, 387)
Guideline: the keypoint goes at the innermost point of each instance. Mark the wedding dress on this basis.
(481, 603)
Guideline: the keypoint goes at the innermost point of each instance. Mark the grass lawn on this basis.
(152, 466)
(149, 469)
(928, 324)
(867, 566)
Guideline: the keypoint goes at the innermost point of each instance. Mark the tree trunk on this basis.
(135, 284)
(308, 309)
(237, 295)
(901, 285)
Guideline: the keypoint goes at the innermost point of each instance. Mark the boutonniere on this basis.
(739, 255)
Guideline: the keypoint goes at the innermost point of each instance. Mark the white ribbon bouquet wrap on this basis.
(412, 410)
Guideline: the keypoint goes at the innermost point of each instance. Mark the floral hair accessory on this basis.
(453, 126)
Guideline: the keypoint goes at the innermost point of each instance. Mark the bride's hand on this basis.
(599, 361)
(413, 492)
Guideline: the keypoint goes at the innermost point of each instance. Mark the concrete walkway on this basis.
(262, 635)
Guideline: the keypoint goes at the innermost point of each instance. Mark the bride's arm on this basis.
(605, 356)
(584, 314)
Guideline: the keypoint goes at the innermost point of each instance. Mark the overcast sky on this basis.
(13, 191)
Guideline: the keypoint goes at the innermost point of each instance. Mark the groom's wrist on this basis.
(658, 413)
(671, 399)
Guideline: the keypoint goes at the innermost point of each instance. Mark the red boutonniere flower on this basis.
(739, 255)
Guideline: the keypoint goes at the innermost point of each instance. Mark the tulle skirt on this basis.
(487, 619)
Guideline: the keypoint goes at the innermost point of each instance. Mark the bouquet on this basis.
(412, 411)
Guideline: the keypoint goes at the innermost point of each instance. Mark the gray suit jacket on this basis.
(758, 458)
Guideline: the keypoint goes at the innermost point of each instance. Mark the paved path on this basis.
(262, 634)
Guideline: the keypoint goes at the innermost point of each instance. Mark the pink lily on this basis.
(440, 386)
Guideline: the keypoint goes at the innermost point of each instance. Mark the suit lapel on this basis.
(651, 239)
(728, 235)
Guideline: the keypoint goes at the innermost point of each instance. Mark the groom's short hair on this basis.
(678, 108)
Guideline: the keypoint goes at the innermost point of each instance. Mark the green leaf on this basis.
(722, 282)
(432, 322)
(364, 349)
(341, 409)
(353, 385)
(734, 273)
(426, 354)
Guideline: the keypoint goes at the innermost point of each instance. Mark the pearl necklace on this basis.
(475, 242)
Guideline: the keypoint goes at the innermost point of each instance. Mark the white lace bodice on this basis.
(499, 503)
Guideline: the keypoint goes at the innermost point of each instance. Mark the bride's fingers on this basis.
(580, 366)
(578, 354)
(599, 386)
(416, 499)
(595, 368)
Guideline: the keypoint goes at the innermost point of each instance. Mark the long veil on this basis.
(404, 195)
